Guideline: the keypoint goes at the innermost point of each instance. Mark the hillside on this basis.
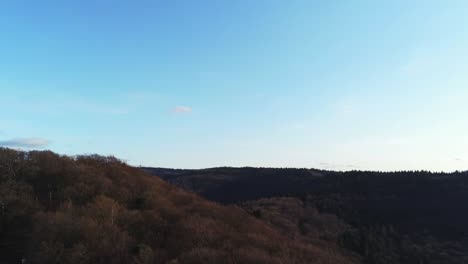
(400, 217)
(224, 184)
(93, 209)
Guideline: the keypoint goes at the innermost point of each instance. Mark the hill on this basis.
(94, 209)
(393, 217)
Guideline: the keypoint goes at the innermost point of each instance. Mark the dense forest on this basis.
(399, 217)
(94, 209)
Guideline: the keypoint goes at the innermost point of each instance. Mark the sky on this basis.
(341, 85)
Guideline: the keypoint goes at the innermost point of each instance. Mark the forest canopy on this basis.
(95, 209)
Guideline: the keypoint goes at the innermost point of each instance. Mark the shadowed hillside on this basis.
(399, 217)
(93, 209)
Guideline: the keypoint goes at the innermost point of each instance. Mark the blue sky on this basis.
(378, 85)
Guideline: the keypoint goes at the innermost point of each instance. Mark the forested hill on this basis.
(223, 184)
(387, 217)
(94, 209)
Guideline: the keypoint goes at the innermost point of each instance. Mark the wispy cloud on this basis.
(337, 166)
(25, 143)
(182, 109)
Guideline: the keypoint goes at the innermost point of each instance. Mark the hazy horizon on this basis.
(359, 85)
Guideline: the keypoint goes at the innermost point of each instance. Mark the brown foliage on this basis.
(93, 209)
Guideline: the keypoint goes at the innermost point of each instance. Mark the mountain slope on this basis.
(399, 217)
(93, 209)
(232, 185)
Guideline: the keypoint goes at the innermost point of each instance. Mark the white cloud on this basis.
(182, 109)
(338, 166)
(25, 142)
